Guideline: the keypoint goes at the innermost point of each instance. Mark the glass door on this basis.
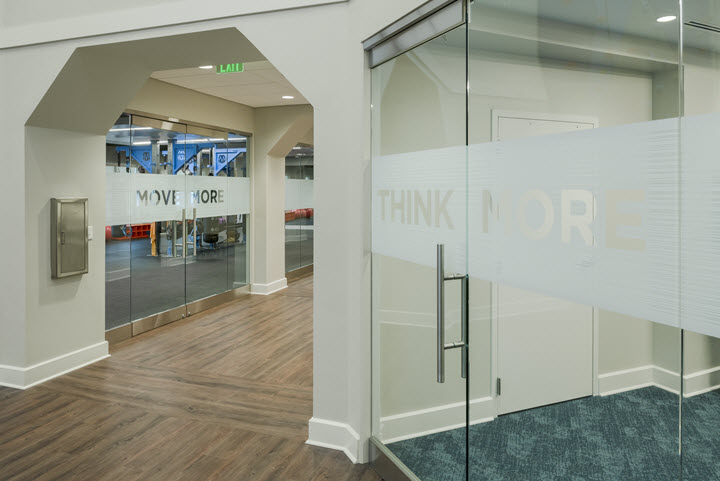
(217, 204)
(207, 260)
(420, 258)
(177, 212)
(157, 263)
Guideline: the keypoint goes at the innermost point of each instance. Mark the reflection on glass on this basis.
(117, 237)
(237, 250)
(207, 258)
(157, 268)
(207, 262)
(117, 275)
(299, 212)
(701, 263)
(178, 203)
(573, 220)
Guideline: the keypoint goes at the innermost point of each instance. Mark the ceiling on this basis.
(259, 85)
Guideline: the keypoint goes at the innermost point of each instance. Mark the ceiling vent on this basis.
(703, 26)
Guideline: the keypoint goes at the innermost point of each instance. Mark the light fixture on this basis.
(288, 97)
(297, 148)
(130, 128)
(206, 67)
(667, 18)
(141, 143)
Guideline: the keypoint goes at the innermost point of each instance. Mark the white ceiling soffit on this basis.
(259, 85)
(32, 22)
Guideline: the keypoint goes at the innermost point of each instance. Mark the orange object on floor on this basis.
(153, 246)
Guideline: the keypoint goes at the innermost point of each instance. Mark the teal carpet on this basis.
(631, 436)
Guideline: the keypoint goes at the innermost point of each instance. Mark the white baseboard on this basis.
(433, 420)
(27, 377)
(667, 380)
(694, 384)
(338, 436)
(625, 380)
(702, 381)
(267, 289)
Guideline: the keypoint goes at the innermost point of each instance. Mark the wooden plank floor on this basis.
(223, 395)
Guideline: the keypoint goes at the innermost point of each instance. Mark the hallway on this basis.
(223, 395)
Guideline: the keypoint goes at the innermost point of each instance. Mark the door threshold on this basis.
(140, 326)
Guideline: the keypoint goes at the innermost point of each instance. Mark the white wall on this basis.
(279, 129)
(82, 18)
(334, 78)
(66, 314)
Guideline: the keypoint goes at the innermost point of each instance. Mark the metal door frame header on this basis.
(422, 24)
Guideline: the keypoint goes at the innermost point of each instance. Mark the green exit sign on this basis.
(230, 68)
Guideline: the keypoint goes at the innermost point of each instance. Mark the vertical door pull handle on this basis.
(463, 344)
(441, 313)
(184, 234)
(194, 232)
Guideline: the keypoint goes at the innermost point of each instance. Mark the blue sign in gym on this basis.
(221, 156)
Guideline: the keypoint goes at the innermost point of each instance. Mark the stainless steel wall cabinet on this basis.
(69, 237)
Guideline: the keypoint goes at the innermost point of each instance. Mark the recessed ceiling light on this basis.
(206, 66)
(288, 97)
(667, 18)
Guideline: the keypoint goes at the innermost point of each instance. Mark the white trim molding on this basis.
(627, 380)
(422, 422)
(338, 436)
(267, 289)
(702, 381)
(27, 377)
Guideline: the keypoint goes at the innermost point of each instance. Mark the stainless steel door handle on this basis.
(194, 231)
(184, 232)
(464, 308)
(440, 313)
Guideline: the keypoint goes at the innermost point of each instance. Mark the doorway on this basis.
(178, 202)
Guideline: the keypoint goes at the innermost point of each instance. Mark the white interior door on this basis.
(545, 345)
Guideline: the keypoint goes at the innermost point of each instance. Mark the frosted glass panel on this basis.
(419, 200)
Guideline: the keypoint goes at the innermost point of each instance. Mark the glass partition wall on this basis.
(544, 246)
(299, 212)
(700, 175)
(177, 210)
